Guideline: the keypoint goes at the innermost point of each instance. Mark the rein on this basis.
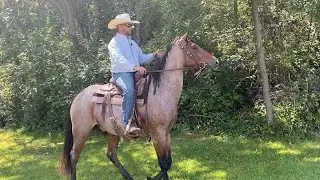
(201, 68)
(176, 69)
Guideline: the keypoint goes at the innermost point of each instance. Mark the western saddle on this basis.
(109, 95)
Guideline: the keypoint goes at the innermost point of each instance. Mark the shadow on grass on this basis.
(195, 156)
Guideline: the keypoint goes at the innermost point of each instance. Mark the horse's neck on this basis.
(172, 81)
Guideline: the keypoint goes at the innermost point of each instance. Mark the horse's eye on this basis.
(193, 46)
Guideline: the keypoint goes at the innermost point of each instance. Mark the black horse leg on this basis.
(74, 161)
(162, 147)
(113, 142)
(74, 155)
(165, 164)
(79, 139)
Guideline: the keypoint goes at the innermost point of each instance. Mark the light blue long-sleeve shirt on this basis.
(125, 53)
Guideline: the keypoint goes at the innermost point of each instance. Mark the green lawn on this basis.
(195, 156)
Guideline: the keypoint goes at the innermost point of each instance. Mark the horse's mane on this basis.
(159, 64)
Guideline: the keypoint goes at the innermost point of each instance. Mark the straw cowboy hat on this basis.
(121, 19)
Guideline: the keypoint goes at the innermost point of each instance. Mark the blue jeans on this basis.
(125, 80)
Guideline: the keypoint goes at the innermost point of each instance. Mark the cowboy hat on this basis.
(120, 19)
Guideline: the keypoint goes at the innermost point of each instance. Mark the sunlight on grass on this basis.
(248, 152)
(219, 174)
(24, 156)
(312, 146)
(314, 160)
(289, 151)
(6, 141)
(197, 169)
(195, 156)
(191, 166)
(9, 178)
(97, 161)
(282, 149)
(138, 150)
(216, 175)
(275, 145)
(220, 138)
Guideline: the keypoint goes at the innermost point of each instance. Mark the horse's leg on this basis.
(80, 136)
(161, 142)
(113, 142)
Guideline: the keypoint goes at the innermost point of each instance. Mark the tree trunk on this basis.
(235, 22)
(102, 15)
(74, 13)
(138, 28)
(5, 4)
(134, 11)
(236, 16)
(261, 62)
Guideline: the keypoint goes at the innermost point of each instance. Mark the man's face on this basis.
(127, 28)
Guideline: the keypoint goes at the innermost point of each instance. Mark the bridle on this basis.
(193, 56)
(202, 65)
(190, 54)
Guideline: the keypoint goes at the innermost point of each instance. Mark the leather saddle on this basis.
(112, 90)
(109, 95)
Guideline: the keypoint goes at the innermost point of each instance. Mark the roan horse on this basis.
(158, 115)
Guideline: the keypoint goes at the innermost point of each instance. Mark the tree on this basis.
(261, 62)
(76, 21)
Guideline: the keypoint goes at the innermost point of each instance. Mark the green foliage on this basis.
(301, 113)
(41, 69)
(45, 71)
(5, 102)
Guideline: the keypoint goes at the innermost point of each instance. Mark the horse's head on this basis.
(195, 55)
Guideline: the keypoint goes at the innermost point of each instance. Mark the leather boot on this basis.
(132, 131)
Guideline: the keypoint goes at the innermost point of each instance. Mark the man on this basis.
(126, 59)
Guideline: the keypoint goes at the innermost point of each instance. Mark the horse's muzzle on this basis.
(214, 63)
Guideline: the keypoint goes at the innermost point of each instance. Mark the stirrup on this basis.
(132, 131)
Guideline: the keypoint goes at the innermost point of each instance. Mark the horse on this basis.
(158, 115)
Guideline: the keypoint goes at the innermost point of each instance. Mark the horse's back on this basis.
(86, 114)
(82, 100)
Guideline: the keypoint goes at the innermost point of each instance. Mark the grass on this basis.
(195, 156)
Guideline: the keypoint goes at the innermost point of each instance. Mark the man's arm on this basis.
(143, 58)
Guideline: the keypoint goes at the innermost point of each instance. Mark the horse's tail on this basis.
(65, 162)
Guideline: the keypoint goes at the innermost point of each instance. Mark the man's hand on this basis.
(156, 53)
(140, 69)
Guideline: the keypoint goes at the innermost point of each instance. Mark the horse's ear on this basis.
(184, 36)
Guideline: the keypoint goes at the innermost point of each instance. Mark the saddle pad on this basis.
(114, 100)
(99, 100)
(99, 96)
